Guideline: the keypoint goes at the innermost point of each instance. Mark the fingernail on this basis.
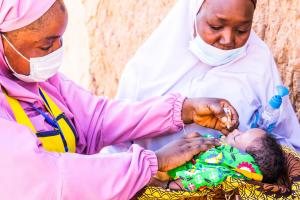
(224, 119)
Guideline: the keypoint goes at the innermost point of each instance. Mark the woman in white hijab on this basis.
(219, 57)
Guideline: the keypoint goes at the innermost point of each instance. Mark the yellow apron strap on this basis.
(50, 105)
(67, 131)
(54, 143)
(19, 112)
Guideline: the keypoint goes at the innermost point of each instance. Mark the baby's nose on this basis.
(235, 131)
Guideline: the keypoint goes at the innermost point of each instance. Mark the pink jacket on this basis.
(29, 172)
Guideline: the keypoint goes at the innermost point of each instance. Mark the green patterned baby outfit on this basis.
(213, 166)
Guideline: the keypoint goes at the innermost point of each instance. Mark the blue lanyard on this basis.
(48, 119)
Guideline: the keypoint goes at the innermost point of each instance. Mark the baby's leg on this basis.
(172, 185)
(176, 185)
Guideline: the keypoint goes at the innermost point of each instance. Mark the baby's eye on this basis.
(234, 139)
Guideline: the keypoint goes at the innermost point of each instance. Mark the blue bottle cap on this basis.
(275, 102)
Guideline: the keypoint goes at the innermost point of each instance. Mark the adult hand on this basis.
(209, 113)
(180, 151)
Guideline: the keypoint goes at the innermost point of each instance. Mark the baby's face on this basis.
(242, 140)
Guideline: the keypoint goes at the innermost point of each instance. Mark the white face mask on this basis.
(211, 55)
(41, 68)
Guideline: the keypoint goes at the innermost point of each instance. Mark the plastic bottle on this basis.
(267, 117)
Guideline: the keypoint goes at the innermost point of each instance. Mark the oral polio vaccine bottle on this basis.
(266, 117)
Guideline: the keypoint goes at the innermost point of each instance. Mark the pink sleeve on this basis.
(104, 122)
(28, 172)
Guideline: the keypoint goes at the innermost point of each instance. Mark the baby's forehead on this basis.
(251, 138)
(256, 132)
(256, 141)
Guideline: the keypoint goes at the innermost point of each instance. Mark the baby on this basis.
(253, 154)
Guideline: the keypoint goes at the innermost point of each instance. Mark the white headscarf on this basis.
(157, 57)
(164, 64)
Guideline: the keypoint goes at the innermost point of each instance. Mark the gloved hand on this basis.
(212, 113)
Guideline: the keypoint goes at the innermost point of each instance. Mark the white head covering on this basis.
(166, 51)
(164, 64)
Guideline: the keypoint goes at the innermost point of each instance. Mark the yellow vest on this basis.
(61, 139)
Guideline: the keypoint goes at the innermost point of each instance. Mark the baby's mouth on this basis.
(227, 140)
(223, 140)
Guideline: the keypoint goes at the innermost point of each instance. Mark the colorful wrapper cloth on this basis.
(213, 166)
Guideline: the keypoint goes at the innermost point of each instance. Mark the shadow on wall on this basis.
(76, 44)
(116, 29)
